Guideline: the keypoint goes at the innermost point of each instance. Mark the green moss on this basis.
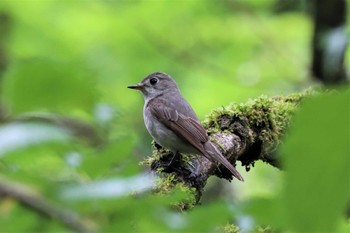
(267, 117)
(157, 153)
(264, 229)
(217, 143)
(230, 228)
(168, 183)
(185, 196)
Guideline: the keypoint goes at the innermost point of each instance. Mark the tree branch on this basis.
(243, 132)
(79, 129)
(33, 201)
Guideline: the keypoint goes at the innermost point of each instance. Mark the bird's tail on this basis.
(216, 155)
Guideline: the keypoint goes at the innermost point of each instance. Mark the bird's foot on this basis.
(173, 158)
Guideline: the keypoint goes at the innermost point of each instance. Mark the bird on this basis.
(172, 122)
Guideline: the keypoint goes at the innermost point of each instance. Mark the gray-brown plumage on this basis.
(172, 122)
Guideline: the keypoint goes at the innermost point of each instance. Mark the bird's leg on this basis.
(218, 167)
(172, 159)
(176, 154)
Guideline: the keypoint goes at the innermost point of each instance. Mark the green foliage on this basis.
(318, 164)
(49, 85)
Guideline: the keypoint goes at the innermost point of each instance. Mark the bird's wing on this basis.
(185, 127)
(192, 131)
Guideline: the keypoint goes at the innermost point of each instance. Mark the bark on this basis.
(330, 41)
(243, 132)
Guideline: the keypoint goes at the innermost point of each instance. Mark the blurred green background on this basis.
(76, 58)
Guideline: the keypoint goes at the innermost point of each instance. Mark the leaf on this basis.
(317, 161)
(265, 211)
(208, 218)
(115, 155)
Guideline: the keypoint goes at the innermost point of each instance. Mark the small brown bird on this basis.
(172, 122)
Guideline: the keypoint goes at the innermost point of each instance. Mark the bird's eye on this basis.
(153, 81)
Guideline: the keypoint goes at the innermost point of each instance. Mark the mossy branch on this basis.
(245, 132)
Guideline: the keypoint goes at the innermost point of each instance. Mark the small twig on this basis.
(78, 128)
(29, 198)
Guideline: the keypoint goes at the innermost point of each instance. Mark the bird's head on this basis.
(155, 84)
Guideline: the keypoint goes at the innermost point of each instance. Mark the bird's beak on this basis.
(138, 86)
